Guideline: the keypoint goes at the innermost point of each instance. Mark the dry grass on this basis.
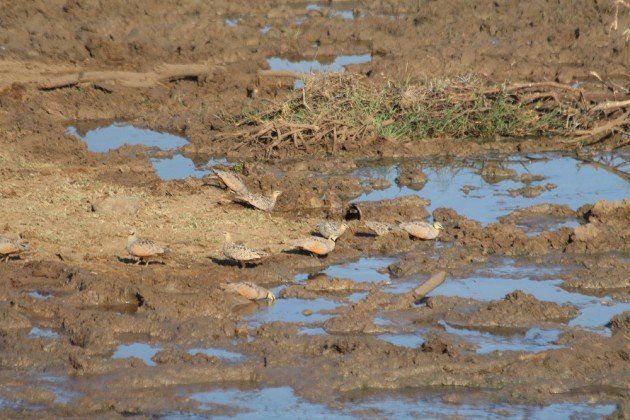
(336, 108)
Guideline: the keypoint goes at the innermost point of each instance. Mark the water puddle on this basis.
(345, 14)
(55, 384)
(418, 404)
(312, 331)
(264, 29)
(227, 355)
(321, 65)
(279, 402)
(411, 341)
(486, 200)
(43, 333)
(103, 139)
(179, 167)
(595, 313)
(364, 270)
(142, 351)
(355, 297)
(533, 340)
(36, 294)
(307, 311)
(110, 137)
(260, 403)
(231, 23)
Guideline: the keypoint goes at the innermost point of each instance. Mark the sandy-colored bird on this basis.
(315, 245)
(231, 180)
(143, 248)
(248, 290)
(9, 247)
(381, 228)
(241, 253)
(259, 201)
(422, 230)
(331, 229)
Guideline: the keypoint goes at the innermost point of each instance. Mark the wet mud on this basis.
(531, 320)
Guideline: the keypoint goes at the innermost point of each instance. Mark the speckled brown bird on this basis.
(248, 290)
(241, 253)
(381, 228)
(422, 230)
(231, 181)
(315, 245)
(331, 229)
(259, 201)
(9, 247)
(143, 248)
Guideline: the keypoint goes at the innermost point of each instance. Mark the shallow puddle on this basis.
(227, 355)
(142, 351)
(372, 270)
(180, 167)
(595, 312)
(293, 310)
(333, 64)
(403, 340)
(231, 23)
(113, 136)
(43, 333)
(281, 402)
(576, 184)
(534, 340)
(36, 294)
(103, 139)
(414, 404)
(312, 331)
(321, 65)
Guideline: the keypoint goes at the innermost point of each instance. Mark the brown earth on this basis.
(177, 66)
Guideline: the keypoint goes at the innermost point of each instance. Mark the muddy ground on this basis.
(76, 207)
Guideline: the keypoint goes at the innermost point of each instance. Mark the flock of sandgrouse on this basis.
(144, 249)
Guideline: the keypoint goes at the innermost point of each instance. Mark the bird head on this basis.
(228, 236)
(276, 194)
(270, 296)
(438, 225)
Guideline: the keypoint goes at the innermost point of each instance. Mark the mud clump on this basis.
(411, 176)
(531, 192)
(605, 273)
(557, 211)
(620, 324)
(605, 230)
(409, 207)
(517, 309)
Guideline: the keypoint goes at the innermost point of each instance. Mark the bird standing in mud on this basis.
(231, 181)
(240, 253)
(315, 245)
(330, 229)
(258, 201)
(422, 230)
(9, 247)
(248, 290)
(143, 248)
